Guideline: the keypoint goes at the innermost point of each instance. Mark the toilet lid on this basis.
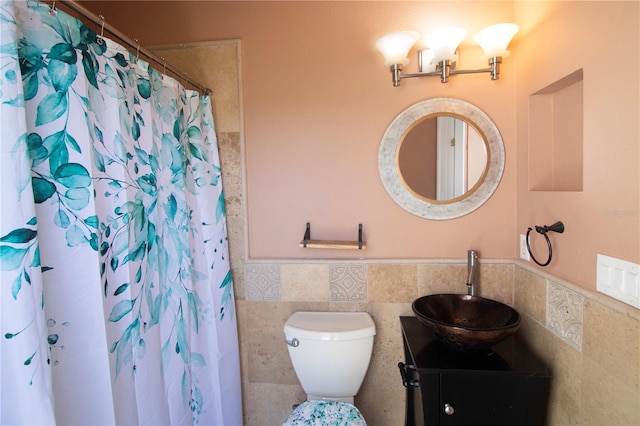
(330, 325)
(322, 413)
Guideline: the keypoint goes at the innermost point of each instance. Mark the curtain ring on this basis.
(137, 49)
(52, 9)
(164, 67)
(100, 38)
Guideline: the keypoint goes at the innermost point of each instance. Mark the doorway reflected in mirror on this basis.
(441, 157)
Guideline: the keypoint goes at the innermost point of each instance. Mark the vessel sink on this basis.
(466, 322)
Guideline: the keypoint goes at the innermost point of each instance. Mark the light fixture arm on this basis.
(444, 71)
(438, 73)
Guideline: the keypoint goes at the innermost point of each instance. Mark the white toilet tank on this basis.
(330, 352)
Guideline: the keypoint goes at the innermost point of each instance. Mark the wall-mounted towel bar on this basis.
(307, 242)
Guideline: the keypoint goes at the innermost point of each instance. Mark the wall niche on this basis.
(556, 136)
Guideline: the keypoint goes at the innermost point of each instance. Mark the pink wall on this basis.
(317, 101)
(556, 40)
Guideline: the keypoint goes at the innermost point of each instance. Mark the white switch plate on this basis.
(619, 279)
(524, 253)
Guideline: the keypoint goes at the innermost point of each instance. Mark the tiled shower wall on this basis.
(591, 342)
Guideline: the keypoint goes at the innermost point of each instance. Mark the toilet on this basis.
(330, 353)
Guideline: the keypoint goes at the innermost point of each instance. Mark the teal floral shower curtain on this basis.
(117, 304)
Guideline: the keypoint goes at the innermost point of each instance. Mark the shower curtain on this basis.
(117, 302)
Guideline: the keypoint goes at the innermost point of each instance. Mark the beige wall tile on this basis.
(270, 404)
(565, 364)
(612, 340)
(606, 400)
(442, 278)
(267, 356)
(243, 343)
(347, 307)
(381, 398)
(496, 282)
(236, 255)
(232, 179)
(530, 294)
(214, 64)
(392, 283)
(567, 369)
(307, 282)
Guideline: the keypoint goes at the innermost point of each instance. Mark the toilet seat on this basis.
(324, 413)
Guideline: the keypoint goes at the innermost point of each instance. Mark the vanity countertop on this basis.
(509, 356)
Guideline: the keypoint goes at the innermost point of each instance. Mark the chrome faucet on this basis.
(472, 272)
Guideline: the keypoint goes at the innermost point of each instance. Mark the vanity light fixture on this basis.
(440, 58)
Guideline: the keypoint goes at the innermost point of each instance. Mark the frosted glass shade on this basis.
(495, 39)
(395, 47)
(426, 60)
(444, 43)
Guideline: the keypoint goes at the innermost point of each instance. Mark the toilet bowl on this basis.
(330, 353)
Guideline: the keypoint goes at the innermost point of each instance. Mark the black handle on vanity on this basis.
(404, 374)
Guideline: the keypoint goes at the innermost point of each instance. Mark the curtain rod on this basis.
(99, 20)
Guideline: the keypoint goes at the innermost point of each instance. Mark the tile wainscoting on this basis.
(591, 341)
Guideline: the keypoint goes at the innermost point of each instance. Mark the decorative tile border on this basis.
(348, 283)
(262, 282)
(565, 314)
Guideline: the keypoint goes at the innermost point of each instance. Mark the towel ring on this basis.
(556, 227)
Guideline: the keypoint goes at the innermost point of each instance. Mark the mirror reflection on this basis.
(442, 157)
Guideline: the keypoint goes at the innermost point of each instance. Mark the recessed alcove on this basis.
(556, 136)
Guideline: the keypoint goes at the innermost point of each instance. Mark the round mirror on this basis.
(441, 158)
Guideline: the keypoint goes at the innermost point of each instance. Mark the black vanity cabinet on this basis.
(505, 385)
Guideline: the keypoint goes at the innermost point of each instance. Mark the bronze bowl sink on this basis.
(466, 322)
